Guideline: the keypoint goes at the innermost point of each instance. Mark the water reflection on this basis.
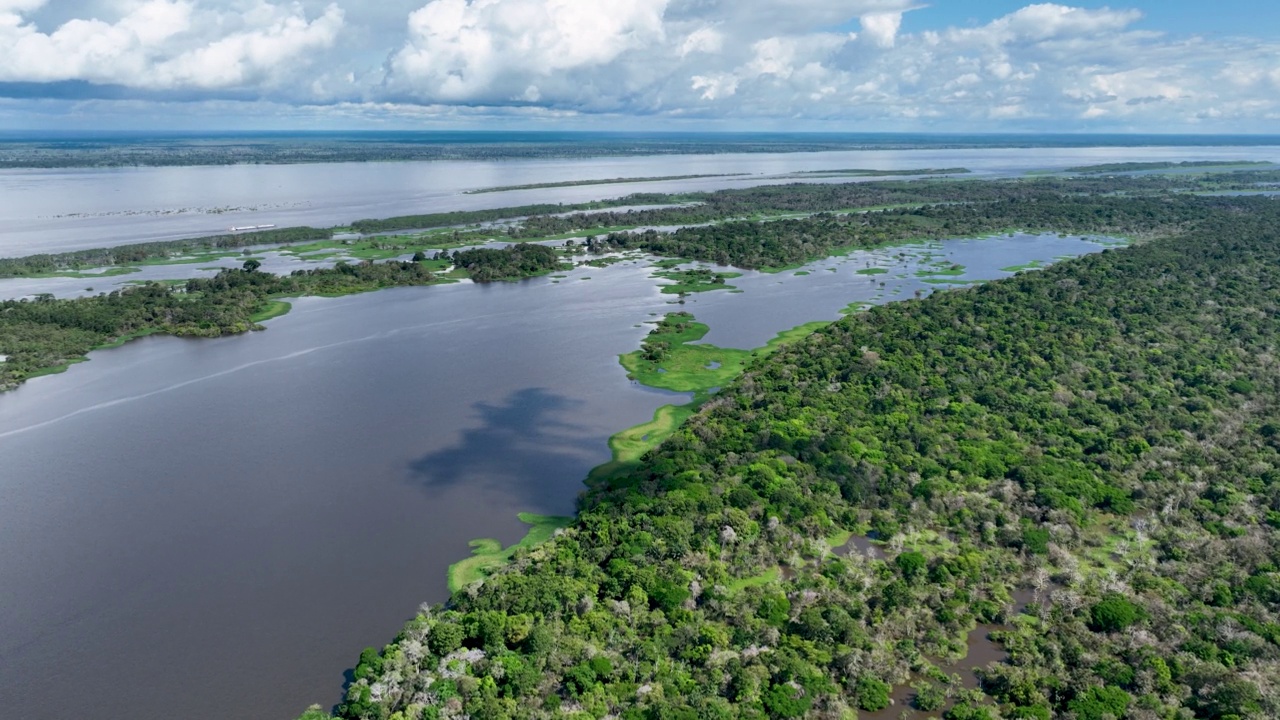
(529, 430)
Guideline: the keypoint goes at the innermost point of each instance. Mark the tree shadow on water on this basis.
(525, 442)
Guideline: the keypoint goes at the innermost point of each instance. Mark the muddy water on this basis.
(982, 651)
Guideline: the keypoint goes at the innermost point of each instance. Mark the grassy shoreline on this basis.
(628, 446)
(488, 554)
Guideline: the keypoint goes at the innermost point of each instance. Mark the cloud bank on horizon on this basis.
(853, 64)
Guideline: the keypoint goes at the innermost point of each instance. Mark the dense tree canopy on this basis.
(1099, 438)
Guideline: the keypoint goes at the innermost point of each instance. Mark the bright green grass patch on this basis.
(838, 538)
(1034, 264)
(630, 444)
(669, 361)
(858, 306)
(273, 309)
(767, 577)
(488, 554)
(873, 271)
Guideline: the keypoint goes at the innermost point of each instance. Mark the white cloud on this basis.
(703, 40)
(460, 50)
(165, 44)
(852, 62)
(882, 28)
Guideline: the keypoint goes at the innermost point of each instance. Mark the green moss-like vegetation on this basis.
(1033, 265)
(488, 554)
(273, 309)
(669, 361)
(768, 577)
(631, 444)
(873, 271)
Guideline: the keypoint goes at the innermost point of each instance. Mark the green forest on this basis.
(1080, 464)
(1078, 467)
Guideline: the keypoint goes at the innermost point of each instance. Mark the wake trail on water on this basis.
(231, 371)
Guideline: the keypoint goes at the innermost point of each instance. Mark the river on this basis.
(60, 210)
(215, 528)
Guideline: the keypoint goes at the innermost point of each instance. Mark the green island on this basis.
(1079, 467)
(695, 280)
(608, 181)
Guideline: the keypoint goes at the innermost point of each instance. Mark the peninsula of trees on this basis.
(1083, 462)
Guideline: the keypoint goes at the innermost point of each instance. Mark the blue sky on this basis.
(856, 65)
(1223, 17)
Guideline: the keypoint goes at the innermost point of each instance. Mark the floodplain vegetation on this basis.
(1084, 459)
(391, 237)
(45, 334)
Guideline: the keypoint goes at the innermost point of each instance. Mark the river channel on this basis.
(69, 209)
(213, 529)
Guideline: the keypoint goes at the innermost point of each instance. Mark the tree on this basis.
(1100, 703)
(252, 264)
(1113, 613)
(873, 693)
(912, 564)
(782, 701)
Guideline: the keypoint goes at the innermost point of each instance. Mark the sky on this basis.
(1151, 66)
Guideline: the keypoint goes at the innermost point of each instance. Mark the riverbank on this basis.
(49, 335)
(694, 368)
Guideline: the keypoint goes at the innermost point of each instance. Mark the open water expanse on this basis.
(214, 529)
(60, 210)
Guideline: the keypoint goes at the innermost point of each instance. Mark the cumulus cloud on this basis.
(486, 49)
(858, 63)
(882, 27)
(165, 44)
